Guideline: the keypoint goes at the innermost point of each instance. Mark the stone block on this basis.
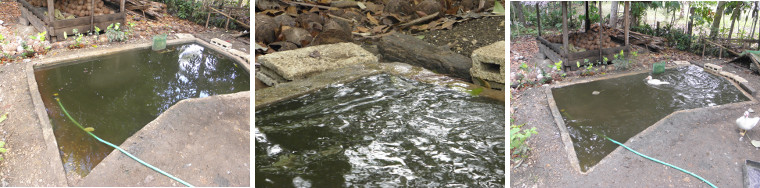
(488, 62)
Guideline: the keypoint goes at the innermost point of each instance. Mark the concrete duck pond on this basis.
(366, 123)
(622, 106)
(118, 91)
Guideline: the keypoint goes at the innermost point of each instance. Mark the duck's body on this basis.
(745, 123)
(651, 81)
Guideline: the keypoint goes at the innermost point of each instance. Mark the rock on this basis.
(400, 7)
(411, 50)
(265, 29)
(595, 93)
(297, 36)
(283, 46)
(285, 20)
(430, 7)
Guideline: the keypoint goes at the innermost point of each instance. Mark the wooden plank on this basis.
(722, 47)
(38, 12)
(34, 20)
(552, 55)
(228, 16)
(113, 18)
(551, 46)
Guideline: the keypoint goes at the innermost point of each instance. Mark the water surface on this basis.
(119, 94)
(381, 131)
(627, 105)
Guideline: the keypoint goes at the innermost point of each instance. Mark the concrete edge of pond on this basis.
(169, 132)
(284, 91)
(51, 146)
(565, 135)
(72, 58)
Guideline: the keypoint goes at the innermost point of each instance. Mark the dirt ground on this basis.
(467, 36)
(703, 141)
(27, 163)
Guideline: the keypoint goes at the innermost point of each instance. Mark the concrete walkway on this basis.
(32, 159)
(205, 142)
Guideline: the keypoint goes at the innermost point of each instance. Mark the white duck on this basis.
(655, 81)
(746, 123)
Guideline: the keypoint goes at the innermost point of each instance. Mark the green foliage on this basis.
(524, 66)
(517, 138)
(2, 39)
(114, 33)
(498, 8)
(39, 36)
(621, 62)
(556, 66)
(2, 149)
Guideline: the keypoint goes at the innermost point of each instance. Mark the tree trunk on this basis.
(716, 20)
(538, 19)
(613, 14)
(734, 17)
(519, 12)
(691, 20)
(673, 18)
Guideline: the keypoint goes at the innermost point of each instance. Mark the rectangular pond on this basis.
(119, 94)
(381, 131)
(627, 105)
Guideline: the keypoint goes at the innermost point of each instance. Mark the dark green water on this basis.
(627, 105)
(381, 131)
(119, 94)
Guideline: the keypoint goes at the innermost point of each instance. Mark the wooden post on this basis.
(702, 38)
(50, 18)
(601, 29)
(564, 28)
(92, 15)
(588, 19)
(627, 23)
(538, 17)
(209, 12)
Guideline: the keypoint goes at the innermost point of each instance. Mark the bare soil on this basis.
(469, 35)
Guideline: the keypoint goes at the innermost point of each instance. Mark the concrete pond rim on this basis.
(565, 135)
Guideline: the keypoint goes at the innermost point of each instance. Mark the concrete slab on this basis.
(488, 62)
(184, 36)
(300, 63)
(221, 43)
(681, 63)
(713, 67)
(203, 141)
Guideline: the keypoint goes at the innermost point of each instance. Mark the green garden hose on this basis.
(117, 147)
(655, 160)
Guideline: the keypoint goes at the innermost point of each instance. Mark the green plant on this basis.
(524, 66)
(39, 36)
(2, 149)
(2, 39)
(115, 34)
(556, 66)
(517, 138)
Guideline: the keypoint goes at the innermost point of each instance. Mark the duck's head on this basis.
(746, 113)
(649, 78)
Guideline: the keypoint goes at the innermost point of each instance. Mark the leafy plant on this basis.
(517, 138)
(115, 34)
(39, 36)
(2, 149)
(524, 66)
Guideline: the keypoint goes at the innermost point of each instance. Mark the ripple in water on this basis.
(381, 131)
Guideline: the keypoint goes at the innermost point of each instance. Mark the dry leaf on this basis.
(362, 29)
(378, 29)
(292, 11)
(372, 19)
(324, 2)
(448, 24)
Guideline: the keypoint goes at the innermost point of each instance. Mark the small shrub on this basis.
(114, 33)
(517, 138)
